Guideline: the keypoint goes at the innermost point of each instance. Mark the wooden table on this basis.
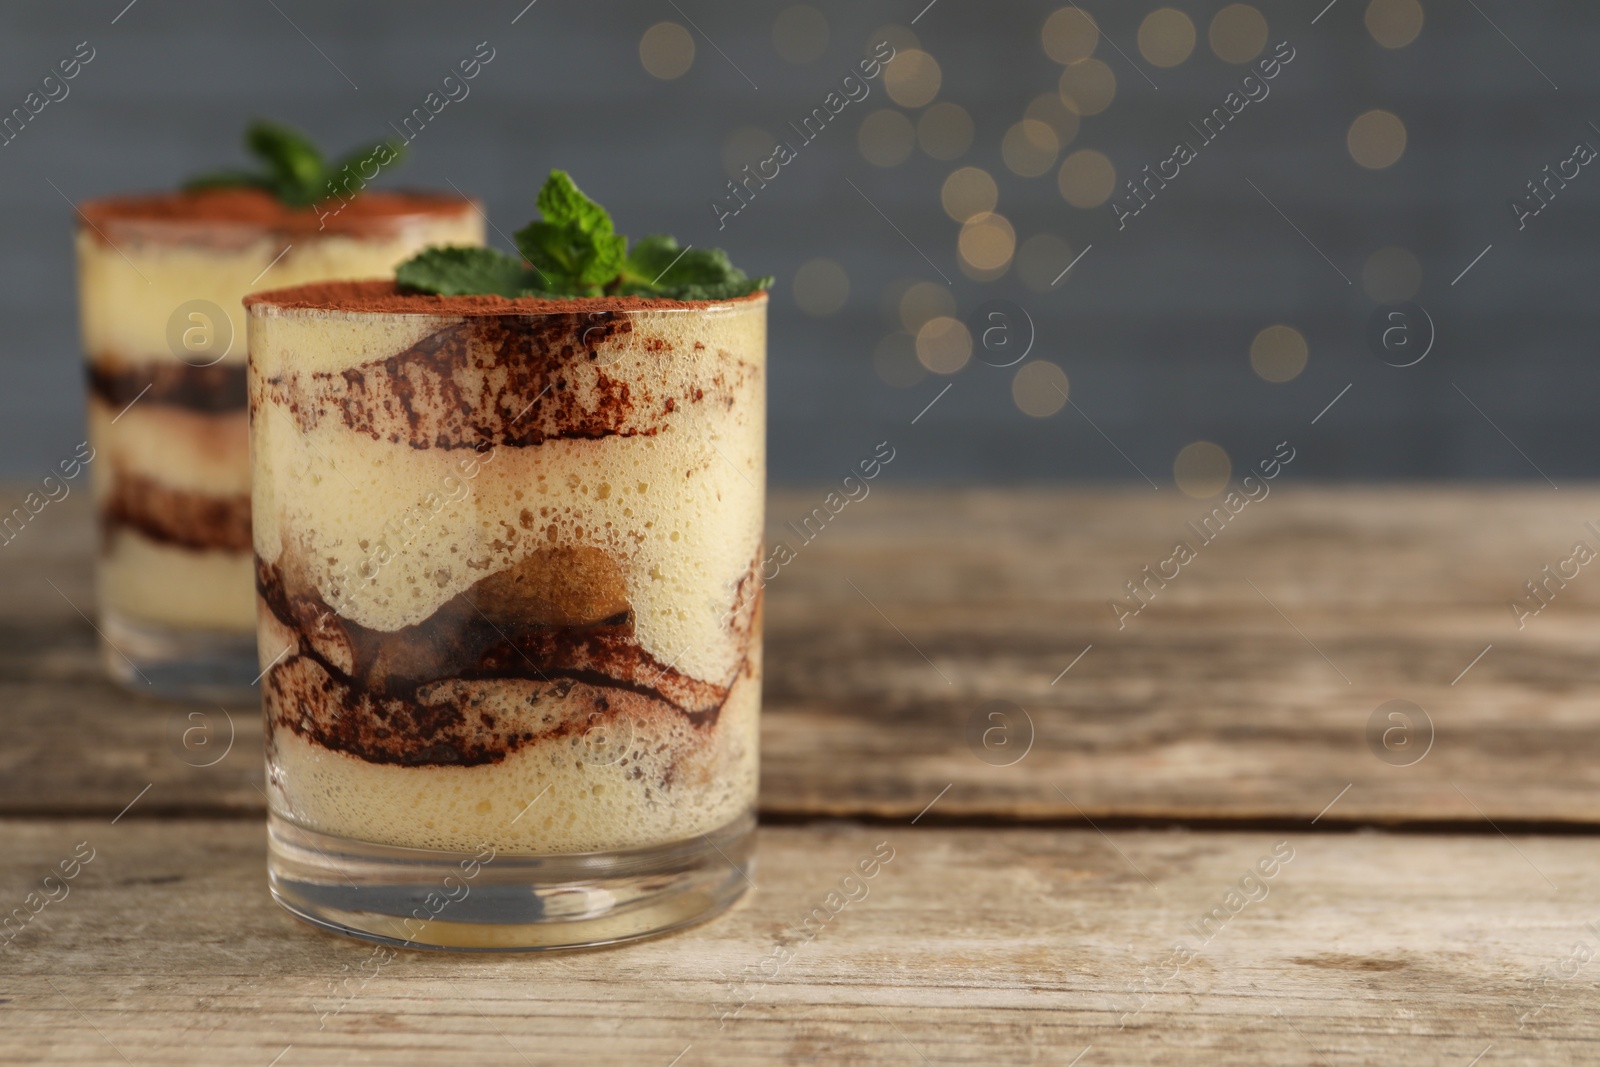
(1432, 896)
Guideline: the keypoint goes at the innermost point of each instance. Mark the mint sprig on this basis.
(574, 251)
(575, 247)
(295, 171)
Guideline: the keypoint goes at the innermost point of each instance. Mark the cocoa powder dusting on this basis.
(385, 297)
(371, 212)
(509, 380)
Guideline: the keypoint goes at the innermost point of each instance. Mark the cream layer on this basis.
(170, 585)
(128, 293)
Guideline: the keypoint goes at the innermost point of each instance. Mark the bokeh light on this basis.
(1394, 23)
(1030, 148)
(1238, 33)
(1377, 139)
(1069, 35)
(1088, 88)
(886, 137)
(945, 130)
(821, 287)
(1202, 469)
(944, 344)
(1087, 178)
(967, 192)
(1051, 110)
(1391, 275)
(1166, 37)
(1041, 259)
(898, 36)
(986, 245)
(895, 361)
(912, 78)
(890, 296)
(667, 50)
(1279, 353)
(1039, 388)
(924, 301)
(800, 34)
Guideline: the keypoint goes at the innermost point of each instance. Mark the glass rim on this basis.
(266, 302)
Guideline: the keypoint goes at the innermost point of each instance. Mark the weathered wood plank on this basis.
(1242, 692)
(969, 946)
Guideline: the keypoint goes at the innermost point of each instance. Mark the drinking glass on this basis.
(160, 278)
(508, 566)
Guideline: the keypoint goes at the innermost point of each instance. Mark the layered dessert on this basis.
(506, 562)
(160, 281)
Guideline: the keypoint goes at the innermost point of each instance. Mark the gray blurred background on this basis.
(1275, 223)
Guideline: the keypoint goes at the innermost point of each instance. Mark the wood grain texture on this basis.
(969, 946)
(1243, 692)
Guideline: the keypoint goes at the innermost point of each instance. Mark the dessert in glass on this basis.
(507, 554)
(160, 279)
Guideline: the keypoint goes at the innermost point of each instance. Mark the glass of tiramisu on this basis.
(160, 281)
(507, 526)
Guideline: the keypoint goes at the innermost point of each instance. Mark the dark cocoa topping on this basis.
(175, 516)
(385, 297)
(218, 388)
(536, 631)
(163, 214)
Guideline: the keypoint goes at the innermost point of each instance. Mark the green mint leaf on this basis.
(293, 162)
(561, 202)
(651, 258)
(452, 271)
(350, 174)
(693, 266)
(658, 267)
(294, 170)
(574, 251)
(737, 286)
(574, 246)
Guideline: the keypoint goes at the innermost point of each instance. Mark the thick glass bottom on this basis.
(202, 666)
(485, 901)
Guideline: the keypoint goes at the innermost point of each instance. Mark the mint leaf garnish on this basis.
(657, 265)
(293, 163)
(574, 247)
(574, 251)
(465, 272)
(295, 171)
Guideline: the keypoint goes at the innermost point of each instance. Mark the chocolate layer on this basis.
(221, 387)
(175, 516)
(508, 380)
(413, 697)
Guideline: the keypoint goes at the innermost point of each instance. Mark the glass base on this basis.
(488, 902)
(201, 666)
